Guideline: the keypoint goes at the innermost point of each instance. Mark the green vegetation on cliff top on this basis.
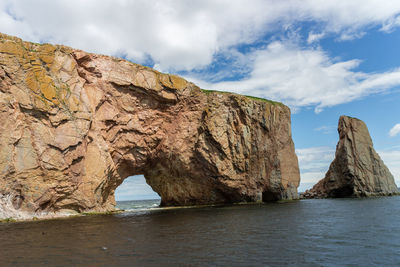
(55, 94)
(248, 96)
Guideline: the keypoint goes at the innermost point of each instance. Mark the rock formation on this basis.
(74, 125)
(357, 170)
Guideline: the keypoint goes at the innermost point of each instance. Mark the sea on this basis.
(316, 232)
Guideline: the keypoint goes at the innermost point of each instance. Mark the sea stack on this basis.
(357, 170)
(74, 125)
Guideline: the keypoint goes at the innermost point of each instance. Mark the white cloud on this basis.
(351, 35)
(306, 77)
(314, 162)
(183, 35)
(391, 24)
(314, 37)
(395, 130)
(312, 178)
(315, 157)
(326, 129)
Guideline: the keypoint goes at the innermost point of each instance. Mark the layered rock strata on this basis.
(74, 125)
(357, 170)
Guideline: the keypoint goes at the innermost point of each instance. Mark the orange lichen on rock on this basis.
(36, 61)
(178, 82)
(10, 47)
(75, 125)
(46, 53)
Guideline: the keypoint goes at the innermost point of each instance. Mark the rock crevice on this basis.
(75, 125)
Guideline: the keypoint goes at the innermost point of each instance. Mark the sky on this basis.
(321, 58)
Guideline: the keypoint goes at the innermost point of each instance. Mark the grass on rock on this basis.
(248, 96)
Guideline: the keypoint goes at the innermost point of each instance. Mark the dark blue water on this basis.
(351, 232)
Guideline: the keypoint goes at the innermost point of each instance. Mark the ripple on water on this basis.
(308, 232)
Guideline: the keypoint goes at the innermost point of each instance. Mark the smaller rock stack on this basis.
(357, 170)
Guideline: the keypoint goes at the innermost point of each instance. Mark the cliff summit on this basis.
(75, 125)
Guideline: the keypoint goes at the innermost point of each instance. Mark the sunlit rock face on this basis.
(357, 170)
(74, 125)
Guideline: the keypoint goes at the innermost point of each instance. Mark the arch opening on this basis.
(135, 189)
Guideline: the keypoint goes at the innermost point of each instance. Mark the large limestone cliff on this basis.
(357, 169)
(74, 125)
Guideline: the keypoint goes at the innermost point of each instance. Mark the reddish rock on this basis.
(357, 170)
(75, 125)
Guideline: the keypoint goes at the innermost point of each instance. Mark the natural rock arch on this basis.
(77, 124)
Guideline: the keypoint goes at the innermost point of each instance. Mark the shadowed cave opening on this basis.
(269, 196)
(135, 188)
(345, 191)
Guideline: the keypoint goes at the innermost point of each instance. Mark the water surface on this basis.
(328, 232)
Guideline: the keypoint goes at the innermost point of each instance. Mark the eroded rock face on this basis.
(74, 125)
(357, 170)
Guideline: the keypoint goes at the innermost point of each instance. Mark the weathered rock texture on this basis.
(357, 170)
(74, 125)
